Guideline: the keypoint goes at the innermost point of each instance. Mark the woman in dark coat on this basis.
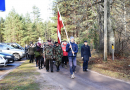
(38, 55)
(31, 52)
(85, 54)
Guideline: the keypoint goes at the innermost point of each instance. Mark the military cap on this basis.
(56, 42)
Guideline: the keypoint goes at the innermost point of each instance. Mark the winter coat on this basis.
(85, 52)
(64, 50)
(58, 54)
(74, 48)
(31, 50)
(48, 52)
(38, 51)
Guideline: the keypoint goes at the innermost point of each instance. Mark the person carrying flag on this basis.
(71, 47)
(72, 50)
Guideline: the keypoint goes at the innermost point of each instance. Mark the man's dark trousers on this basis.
(85, 65)
(47, 64)
(40, 62)
(31, 58)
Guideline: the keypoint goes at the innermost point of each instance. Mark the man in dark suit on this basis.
(85, 54)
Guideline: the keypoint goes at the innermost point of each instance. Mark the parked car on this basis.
(15, 45)
(10, 58)
(2, 60)
(17, 53)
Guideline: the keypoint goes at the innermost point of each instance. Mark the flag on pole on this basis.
(59, 26)
(2, 5)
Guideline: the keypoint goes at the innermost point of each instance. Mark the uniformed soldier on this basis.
(49, 55)
(58, 55)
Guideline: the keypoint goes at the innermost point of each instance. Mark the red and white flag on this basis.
(59, 26)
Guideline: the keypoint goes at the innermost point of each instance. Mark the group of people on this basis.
(34, 52)
(49, 54)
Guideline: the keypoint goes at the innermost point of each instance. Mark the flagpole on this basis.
(65, 30)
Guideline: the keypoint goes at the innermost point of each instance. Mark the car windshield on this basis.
(10, 47)
(19, 45)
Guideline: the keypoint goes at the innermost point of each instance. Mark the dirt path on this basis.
(83, 81)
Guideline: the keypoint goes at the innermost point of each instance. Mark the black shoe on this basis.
(57, 70)
(47, 70)
(51, 70)
(86, 70)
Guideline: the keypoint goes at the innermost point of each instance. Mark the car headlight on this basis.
(8, 56)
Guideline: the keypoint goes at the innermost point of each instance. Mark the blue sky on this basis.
(24, 6)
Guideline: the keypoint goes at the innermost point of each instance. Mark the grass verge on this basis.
(22, 78)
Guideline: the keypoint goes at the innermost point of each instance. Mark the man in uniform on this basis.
(58, 55)
(48, 55)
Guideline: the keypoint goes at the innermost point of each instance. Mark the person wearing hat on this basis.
(48, 54)
(85, 54)
(65, 54)
(31, 52)
(72, 50)
(38, 55)
(58, 55)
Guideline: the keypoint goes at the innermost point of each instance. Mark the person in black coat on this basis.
(38, 55)
(31, 52)
(26, 51)
(85, 54)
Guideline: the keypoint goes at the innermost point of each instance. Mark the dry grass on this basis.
(22, 78)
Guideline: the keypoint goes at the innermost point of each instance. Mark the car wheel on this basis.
(16, 57)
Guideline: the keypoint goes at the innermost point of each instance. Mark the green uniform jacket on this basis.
(48, 52)
(58, 53)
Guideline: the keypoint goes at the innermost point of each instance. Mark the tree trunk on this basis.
(111, 39)
(105, 29)
(101, 35)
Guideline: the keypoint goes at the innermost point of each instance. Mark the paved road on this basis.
(5, 70)
(83, 80)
